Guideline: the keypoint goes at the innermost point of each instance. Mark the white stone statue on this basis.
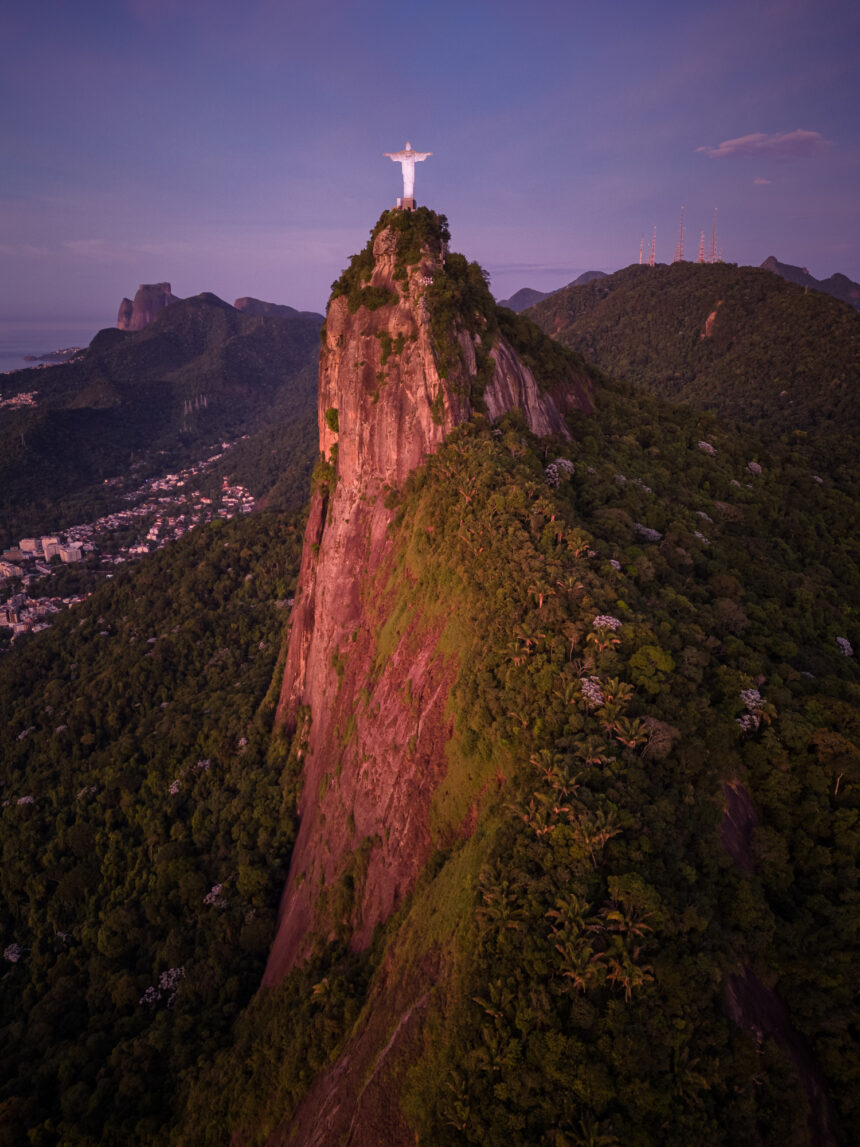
(407, 160)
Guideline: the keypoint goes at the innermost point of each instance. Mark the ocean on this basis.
(20, 337)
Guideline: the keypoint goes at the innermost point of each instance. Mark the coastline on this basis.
(41, 339)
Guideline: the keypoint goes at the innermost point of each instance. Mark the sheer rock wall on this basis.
(375, 738)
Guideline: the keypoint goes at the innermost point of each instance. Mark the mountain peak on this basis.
(149, 300)
(413, 344)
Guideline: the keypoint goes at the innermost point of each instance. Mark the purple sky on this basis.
(238, 148)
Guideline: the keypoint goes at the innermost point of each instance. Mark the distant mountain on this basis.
(737, 340)
(527, 296)
(149, 300)
(587, 277)
(251, 306)
(524, 297)
(199, 372)
(840, 286)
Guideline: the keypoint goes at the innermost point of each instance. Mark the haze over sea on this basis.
(20, 337)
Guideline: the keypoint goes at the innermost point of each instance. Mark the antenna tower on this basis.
(702, 246)
(679, 246)
(641, 250)
(653, 247)
(713, 258)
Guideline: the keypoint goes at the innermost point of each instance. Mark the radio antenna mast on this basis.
(679, 248)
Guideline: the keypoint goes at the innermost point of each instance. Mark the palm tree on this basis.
(616, 690)
(595, 830)
(630, 732)
(579, 964)
(593, 750)
(593, 1133)
(568, 914)
(500, 1000)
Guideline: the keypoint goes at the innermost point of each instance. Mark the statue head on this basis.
(408, 146)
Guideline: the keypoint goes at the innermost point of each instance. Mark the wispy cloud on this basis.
(24, 251)
(100, 250)
(536, 268)
(798, 144)
(760, 181)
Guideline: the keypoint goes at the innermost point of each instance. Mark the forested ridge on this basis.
(145, 832)
(640, 921)
(156, 399)
(736, 340)
(633, 639)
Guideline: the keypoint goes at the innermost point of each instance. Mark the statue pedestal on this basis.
(406, 204)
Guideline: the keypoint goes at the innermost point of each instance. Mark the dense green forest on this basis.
(156, 400)
(737, 340)
(640, 619)
(640, 922)
(146, 825)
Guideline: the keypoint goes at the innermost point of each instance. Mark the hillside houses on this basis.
(160, 510)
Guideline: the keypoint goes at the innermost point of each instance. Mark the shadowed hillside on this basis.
(838, 285)
(738, 340)
(200, 372)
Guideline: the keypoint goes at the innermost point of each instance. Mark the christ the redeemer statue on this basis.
(407, 160)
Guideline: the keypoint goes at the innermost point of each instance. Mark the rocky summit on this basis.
(386, 402)
(149, 300)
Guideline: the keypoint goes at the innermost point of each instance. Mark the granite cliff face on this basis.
(149, 300)
(372, 718)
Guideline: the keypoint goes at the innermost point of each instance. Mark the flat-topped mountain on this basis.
(840, 286)
(149, 300)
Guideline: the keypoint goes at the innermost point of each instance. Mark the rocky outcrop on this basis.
(759, 1011)
(373, 720)
(513, 386)
(755, 1008)
(149, 300)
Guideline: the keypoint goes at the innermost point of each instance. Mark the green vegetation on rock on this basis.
(414, 231)
(630, 637)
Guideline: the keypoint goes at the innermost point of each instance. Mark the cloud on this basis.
(760, 181)
(797, 144)
(535, 268)
(99, 250)
(25, 251)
